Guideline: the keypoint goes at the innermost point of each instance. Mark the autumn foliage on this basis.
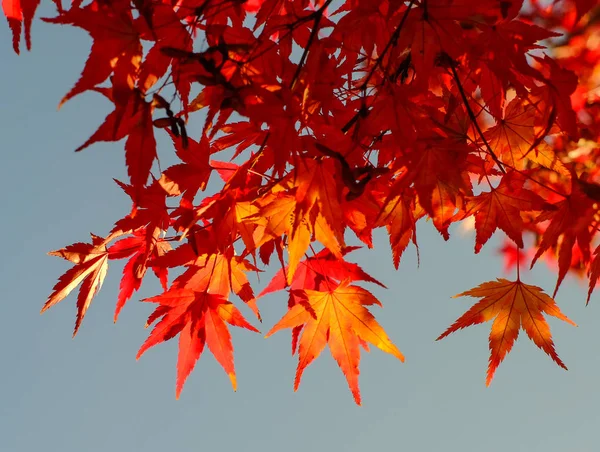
(321, 121)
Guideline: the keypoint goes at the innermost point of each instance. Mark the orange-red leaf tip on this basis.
(270, 332)
(442, 336)
(568, 320)
(253, 329)
(233, 379)
(356, 395)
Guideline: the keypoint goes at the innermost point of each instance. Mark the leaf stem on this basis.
(317, 16)
(518, 263)
(463, 95)
(391, 43)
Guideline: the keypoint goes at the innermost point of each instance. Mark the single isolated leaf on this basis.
(336, 317)
(513, 305)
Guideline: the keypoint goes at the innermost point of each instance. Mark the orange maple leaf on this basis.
(199, 318)
(336, 317)
(279, 219)
(91, 265)
(512, 305)
(318, 189)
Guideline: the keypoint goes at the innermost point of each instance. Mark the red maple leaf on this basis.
(116, 48)
(501, 208)
(143, 246)
(132, 119)
(200, 319)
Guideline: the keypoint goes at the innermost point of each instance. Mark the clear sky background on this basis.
(90, 394)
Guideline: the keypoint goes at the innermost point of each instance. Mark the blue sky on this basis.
(89, 394)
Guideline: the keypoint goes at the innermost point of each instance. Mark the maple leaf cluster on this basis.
(340, 117)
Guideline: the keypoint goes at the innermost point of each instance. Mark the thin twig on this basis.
(392, 42)
(463, 95)
(317, 16)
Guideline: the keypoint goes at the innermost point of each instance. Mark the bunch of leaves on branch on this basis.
(340, 117)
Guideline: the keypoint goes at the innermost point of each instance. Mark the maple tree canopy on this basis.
(322, 120)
